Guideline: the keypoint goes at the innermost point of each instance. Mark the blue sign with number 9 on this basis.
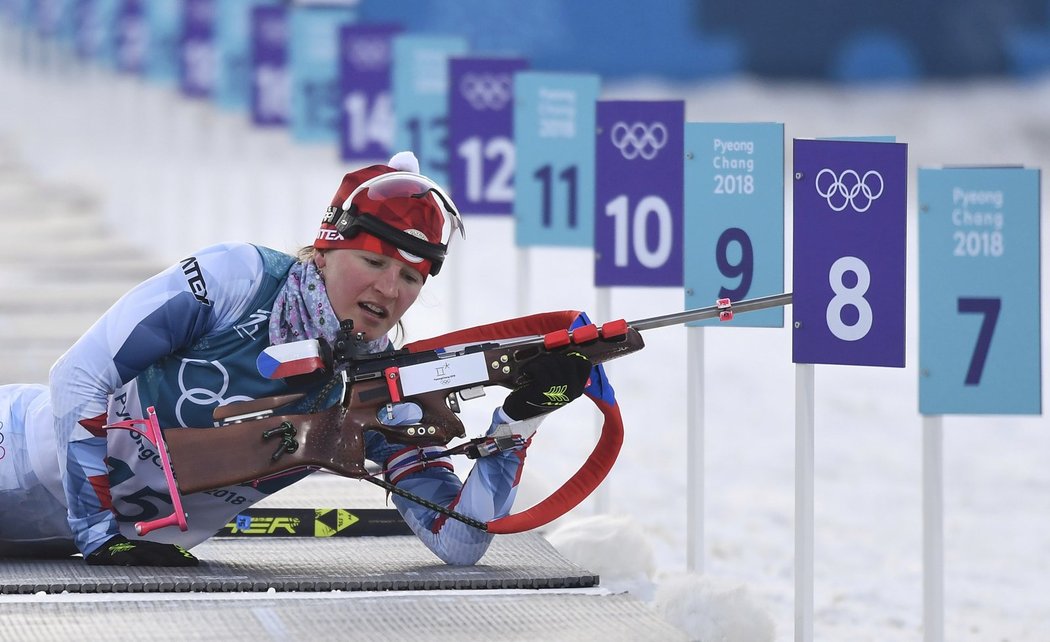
(734, 217)
(850, 231)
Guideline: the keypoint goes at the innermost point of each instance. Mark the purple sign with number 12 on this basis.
(481, 133)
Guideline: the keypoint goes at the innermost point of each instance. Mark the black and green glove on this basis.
(121, 551)
(551, 380)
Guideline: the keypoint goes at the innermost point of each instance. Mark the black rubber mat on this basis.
(345, 564)
(450, 615)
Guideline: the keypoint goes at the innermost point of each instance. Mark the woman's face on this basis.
(373, 289)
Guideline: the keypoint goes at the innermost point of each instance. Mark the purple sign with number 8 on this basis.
(850, 232)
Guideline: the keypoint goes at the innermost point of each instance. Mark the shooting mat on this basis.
(402, 563)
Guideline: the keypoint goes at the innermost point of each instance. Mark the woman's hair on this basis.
(308, 252)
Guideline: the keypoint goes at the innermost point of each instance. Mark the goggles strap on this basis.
(450, 209)
(350, 222)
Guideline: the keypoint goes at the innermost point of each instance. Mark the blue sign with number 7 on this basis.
(979, 319)
(850, 232)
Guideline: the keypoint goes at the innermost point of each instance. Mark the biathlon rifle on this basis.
(254, 440)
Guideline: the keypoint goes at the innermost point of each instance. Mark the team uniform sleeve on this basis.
(202, 294)
(487, 493)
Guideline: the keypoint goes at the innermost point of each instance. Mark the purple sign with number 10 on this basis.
(850, 223)
(639, 193)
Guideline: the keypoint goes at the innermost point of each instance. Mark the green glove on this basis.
(120, 551)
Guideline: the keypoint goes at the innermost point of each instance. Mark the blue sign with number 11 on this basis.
(554, 138)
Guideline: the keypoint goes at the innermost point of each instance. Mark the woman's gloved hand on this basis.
(552, 380)
(121, 551)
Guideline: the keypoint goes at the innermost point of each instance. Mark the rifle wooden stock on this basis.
(209, 458)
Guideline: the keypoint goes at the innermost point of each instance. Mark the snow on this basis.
(613, 546)
(868, 455)
(710, 609)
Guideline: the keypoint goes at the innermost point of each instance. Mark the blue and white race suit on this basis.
(185, 342)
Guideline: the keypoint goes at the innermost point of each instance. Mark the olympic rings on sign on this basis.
(848, 186)
(369, 54)
(486, 91)
(638, 139)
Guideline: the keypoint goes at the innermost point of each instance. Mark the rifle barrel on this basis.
(711, 312)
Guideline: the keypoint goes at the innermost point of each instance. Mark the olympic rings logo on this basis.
(850, 188)
(369, 54)
(486, 91)
(639, 139)
(204, 396)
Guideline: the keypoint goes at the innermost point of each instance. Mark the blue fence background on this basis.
(688, 39)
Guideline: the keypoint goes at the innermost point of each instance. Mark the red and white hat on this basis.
(388, 210)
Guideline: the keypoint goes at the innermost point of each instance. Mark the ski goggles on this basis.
(405, 209)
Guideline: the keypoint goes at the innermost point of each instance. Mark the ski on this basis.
(315, 522)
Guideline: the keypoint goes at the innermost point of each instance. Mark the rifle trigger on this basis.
(453, 403)
(474, 392)
(391, 375)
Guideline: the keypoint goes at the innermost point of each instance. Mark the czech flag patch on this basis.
(290, 359)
